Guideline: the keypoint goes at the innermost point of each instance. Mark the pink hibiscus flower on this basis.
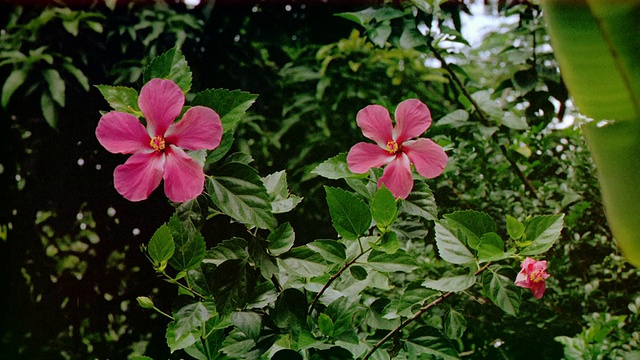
(532, 276)
(394, 146)
(158, 151)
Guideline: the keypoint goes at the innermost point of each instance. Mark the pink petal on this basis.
(139, 175)
(183, 176)
(375, 122)
(200, 128)
(364, 156)
(397, 177)
(537, 289)
(522, 280)
(427, 156)
(161, 102)
(122, 133)
(412, 119)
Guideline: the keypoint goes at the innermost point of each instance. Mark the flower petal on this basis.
(427, 156)
(397, 177)
(538, 288)
(412, 119)
(161, 102)
(364, 156)
(183, 176)
(375, 122)
(139, 175)
(122, 133)
(200, 128)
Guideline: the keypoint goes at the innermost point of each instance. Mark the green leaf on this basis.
(79, 75)
(232, 285)
(49, 110)
(237, 190)
(341, 313)
(290, 311)
(350, 216)
(121, 98)
(278, 190)
(171, 65)
(249, 322)
(161, 245)
(411, 37)
(454, 325)
(515, 122)
(331, 250)
(450, 243)
(56, 86)
(334, 168)
(358, 272)
(190, 248)
(189, 318)
(543, 231)
(231, 105)
(491, 248)
(420, 202)
(428, 342)
(13, 82)
(231, 249)
(222, 149)
(455, 119)
(325, 324)
(304, 262)
(178, 342)
(473, 225)
(453, 283)
(384, 208)
(515, 228)
(264, 261)
(237, 345)
(501, 290)
(400, 261)
(388, 243)
(281, 239)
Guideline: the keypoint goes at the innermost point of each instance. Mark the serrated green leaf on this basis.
(330, 250)
(232, 285)
(334, 168)
(502, 292)
(79, 75)
(189, 318)
(249, 322)
(231, 249)
(56, 85)
(453, 283)
(450, 243)
(384, 208)
(237, 345)
(161, 245)
(171, 65)
(304, 262)
(190, 248)
(473, 224)
(222, 149)
(543, 231)
(231, 105)
(399, 261)
(420, 202)
(325, 324)
(278, 190)
(175, 342)
(455, 119)
(454, 325)
(428, 342)
(264, 261)
(388, 243)
(491, 248)
(281, 239)
(350, 216)
(121, 98)
(515, 228)
(290, 311)
(237, 190)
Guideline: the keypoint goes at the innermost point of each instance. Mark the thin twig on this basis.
(334, 278)
(483, 118)
(417, 315)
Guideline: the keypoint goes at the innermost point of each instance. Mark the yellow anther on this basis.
(392, 146)
(157, 143)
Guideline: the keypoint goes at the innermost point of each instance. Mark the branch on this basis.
(483, 118)
(417, 315)
(334, 278)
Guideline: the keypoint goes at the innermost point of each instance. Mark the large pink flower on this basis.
(394, 146)
(533, 276)
(158, 151)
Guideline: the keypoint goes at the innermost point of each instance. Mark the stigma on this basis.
(157, 143)
(392, 146)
